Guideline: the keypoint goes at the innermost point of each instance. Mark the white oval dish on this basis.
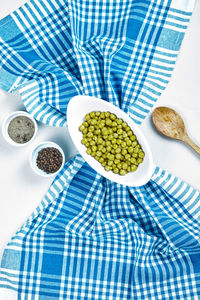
(34, 154)
(6, 123)
(78, 107)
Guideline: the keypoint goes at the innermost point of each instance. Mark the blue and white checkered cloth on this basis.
(91, 238)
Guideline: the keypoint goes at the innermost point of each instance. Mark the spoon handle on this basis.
(188, 140)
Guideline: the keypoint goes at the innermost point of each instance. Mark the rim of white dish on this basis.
(75, 116)
(41, 146)
(7, 121)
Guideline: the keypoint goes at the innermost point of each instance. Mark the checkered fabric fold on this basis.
(91, 238)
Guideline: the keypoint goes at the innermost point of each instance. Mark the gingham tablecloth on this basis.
(91, 238)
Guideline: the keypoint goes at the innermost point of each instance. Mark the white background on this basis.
(21, 190)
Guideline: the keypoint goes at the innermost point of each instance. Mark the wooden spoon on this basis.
(168, 122)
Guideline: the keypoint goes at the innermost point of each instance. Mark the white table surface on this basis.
(22, 190)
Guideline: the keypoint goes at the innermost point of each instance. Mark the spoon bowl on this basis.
(78, 107)
(169, 123)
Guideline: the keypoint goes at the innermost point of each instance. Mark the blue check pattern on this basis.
(91, 238)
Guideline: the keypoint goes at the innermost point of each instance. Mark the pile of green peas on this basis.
(111, 142)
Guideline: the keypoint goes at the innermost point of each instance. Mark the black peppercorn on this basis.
(49, 160)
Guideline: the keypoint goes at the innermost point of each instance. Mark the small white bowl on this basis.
(78, 107)
(34, 155)
(6, 123)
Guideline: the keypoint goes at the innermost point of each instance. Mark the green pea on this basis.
(130, 149)
(97, 113)
(107, 168)
(118, 156)
(114, 124)
(136, 150)
(122, 172)
(128, 143)
(124, 124)
(110, 137)
(134, 144)
(83, 141)
(120, 131)
(98, 153)
(85, 130)
(124, 135)
(91, 128)
(94, 148)
(127, 156)
(111, 157)
(89, 151)
(103, 150)
(87, 117)
(110, 163)
(133, 160)
(117, 161)
(119, 121)
(124, 166)
(102, 115)
(81, 127)
(101, 124)
(108, 121)
(85, 124)
(92, 114)
(99, 140)
(114, 129)
(115, 146)
(97, 131)
(112, 116)
(107, 114)
(124, 151)
(119, 166)
(110, 131)
(133, 137)
(119, 141)
(93, 122)
(141, 154)
(101, 159)
(90, 134)
(139, 160)
(116, 170)
(133, 168)
(108, 148)
(92, 143)
(128, 129)
(123, 144)
(113, 141)
(108, 143)
(103, 163)
(118, 150)
(104, 131)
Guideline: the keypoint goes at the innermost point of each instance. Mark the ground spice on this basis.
(49, 160)
(21, 129)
